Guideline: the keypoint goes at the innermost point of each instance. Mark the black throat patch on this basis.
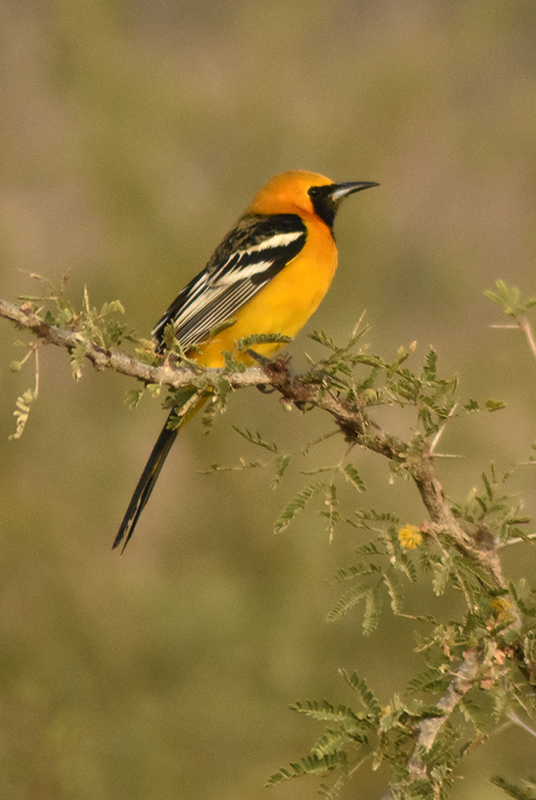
(324, 205)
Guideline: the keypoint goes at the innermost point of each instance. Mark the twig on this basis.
(428, 730)
(517, 721)
(438, 435)
(525, 326)
(461, 683)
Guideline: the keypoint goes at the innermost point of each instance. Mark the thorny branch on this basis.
(461, 683)
(353, 423)
(119, 362)
(295, 389)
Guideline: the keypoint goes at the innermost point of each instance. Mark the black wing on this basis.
(247, 259)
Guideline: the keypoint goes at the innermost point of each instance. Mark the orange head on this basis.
(304, 193)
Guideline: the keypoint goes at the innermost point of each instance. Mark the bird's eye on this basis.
(314, 191)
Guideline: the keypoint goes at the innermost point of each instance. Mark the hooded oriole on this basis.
(268, 275)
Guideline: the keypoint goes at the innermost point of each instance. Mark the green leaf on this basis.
(348, 601)
(262, 338)
(394, 594)
(297, 504)
(256, 439)
(231, 364)
(353, 477)
(440, 580)
(372, 612)
(516, 791)
(172, 344)
(332, 504)
(22, 411)
(510, 298)
(322, 338)
(332, 742)
(370, 549)
(326, 712)
(228, 323)
(146, 354)
(113, 307)
(133, 397)
(78, 354)
(430, 680)
(507, 296)
(64, 317)
(494, 405)
(316, 765)
(376, 516)
(331, 792)
(363, 568)
(478, 716)
(429, 370)
(472, 405)
(367, 697)
(217, 404)
(487, 486)
(282, 464)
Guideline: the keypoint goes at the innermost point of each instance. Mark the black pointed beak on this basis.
(326, 198)
(340, 190)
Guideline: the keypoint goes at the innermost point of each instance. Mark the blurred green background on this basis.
(132, 135)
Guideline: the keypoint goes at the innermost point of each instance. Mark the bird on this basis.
(267, 276)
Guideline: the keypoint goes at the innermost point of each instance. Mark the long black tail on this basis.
(146, 483)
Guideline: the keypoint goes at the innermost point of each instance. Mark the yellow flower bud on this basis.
(410, 537)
